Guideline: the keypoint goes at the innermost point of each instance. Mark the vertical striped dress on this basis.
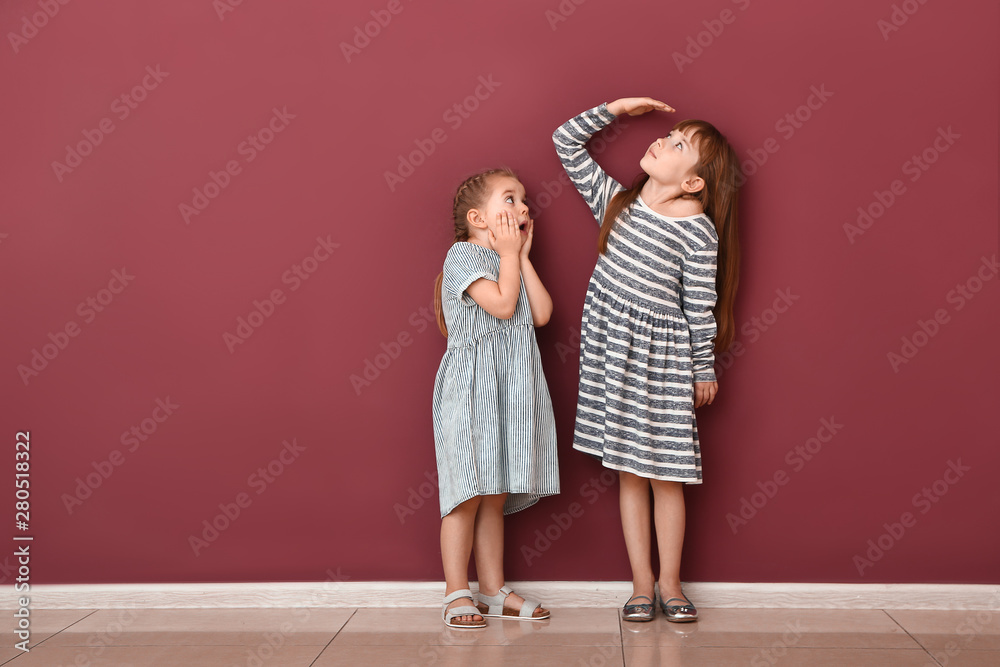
(648, 330)
(494, 431)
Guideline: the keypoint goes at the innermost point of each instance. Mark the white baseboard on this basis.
(555, 594)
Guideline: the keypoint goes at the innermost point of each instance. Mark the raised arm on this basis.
(591, 181)
(570, 139)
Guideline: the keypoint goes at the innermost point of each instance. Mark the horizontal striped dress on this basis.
(648, 330)
(494, 431)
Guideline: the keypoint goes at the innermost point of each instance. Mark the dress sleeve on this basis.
(698, 299)
(465, 264)
(593, 183)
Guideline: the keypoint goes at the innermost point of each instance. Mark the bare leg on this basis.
(668, 500)
(488, 547)
(634, 503)
(457, 529)
(488, 543)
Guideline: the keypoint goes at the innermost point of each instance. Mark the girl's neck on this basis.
(479, 237)
(668, 200)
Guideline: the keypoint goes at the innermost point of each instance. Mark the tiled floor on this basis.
(583, 637)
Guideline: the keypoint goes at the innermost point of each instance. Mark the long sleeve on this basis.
(698, 300)
(593, 183)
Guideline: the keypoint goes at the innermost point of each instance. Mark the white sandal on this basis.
(494, 607)
(449, 614)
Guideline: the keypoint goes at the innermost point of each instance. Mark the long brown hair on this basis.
(472, 193)
(718, 166)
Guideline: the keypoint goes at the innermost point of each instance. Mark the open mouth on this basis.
(523, 226)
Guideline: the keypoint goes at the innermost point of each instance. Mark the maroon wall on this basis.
(850, 442)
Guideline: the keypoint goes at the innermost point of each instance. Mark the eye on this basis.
(679, 145)
(509, 199)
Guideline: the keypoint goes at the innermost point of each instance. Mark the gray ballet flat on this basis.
(638, 612)
(679, 613)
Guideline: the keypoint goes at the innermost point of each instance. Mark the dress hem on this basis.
(535, 497)
(662, 478)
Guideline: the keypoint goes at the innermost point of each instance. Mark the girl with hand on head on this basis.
(494, 431)
(658, 307)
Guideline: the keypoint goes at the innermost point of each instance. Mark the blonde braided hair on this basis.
(472, 193)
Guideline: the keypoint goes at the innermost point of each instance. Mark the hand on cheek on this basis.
(505, 236)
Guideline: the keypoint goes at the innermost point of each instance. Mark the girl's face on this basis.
(671, 160)
(507, 194)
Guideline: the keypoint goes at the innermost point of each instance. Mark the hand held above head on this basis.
(504, 235)
(636, 106)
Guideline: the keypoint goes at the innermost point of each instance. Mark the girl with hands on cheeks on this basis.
(494, 431)
(658, 308)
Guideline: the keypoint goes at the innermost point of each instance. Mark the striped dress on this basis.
(494, 431)
(648, 330)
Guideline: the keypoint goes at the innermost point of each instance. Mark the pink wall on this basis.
(305, 227)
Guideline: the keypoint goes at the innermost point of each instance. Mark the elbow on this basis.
(541, 318)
